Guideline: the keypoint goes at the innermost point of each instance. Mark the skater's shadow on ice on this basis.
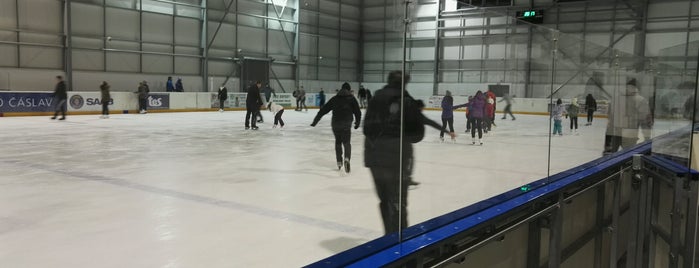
(349, 190)
(295, 172)
(341, 244)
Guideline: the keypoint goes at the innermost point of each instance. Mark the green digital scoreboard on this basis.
(531, 16)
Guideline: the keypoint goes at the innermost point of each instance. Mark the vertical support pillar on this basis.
(339, 42)
(19, 47)
(534, 244)
(437, 44)
(676, 223)
(68, 44)
(616, 203)
(555, 235)
(690, 243)
(637, 212)
(203, 44)
(104, 35)
(599, 222)
(360, 47)
(295, 51)
(140, 36)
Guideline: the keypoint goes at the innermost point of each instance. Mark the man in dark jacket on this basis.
(253, 104)
(60, 95)
(143, 92)
(222, 97)
(343, 106)
(382, 147)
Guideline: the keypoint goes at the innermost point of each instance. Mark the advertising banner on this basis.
(86, 101)
(26, 102)
(158, 101)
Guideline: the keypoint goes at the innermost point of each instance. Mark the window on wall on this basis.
(482, 3)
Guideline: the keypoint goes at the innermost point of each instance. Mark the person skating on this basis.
(60, 95)
(447, 114)
(142, 92)
(252, 105)
(302, 99)
(591, 107)
(343, 106)
(278, 111)
(489, 115)
(508, 99)
(105, 99)
(572, 112)
(362, 97)
(268, 92)
(557, 112)
(383, 146)
(476, 112)
(321, 98)
(491, 94)
(222, 97)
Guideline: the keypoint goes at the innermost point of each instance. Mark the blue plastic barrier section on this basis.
(386, 250)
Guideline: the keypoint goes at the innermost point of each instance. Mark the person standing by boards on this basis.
(222, 97)
(60, 95)
(105, 100)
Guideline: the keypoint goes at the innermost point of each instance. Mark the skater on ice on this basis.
(557, 113)
(60, 95)
(252, 105)
(278, 111)
(222, 97)
(343, 106)
(572, 112)
(105, 99)
(447, 114)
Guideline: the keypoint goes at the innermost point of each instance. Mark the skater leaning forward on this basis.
(343, 106)
(278, 111)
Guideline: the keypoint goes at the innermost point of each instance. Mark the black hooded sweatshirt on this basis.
(343, 106)
(253, 101)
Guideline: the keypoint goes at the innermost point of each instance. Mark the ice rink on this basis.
(197, 190)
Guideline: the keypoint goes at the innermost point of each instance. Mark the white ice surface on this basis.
(196, 190)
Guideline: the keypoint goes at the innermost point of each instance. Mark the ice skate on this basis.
(53, 118)
(473, 141)
(577, 133)
(255, 128)
(413, 183)
(480, 142)
(347, 165)
(62, 118)
(220, 110)
(441, 139)
(246, 128)
(453, 140)
(339, 165)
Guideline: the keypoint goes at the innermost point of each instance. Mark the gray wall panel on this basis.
(89, 20)
(41, 57)
(157, 64)
(187, 31)
(157, 28)
(254, 39)
(88, 60)
(44, 15)
(122, 24)
(8, 55)
(8, 16)
(187, 65)
(122, 62)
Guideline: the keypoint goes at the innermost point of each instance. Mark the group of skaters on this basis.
(480, 113)
(572, 111)
(60, 94)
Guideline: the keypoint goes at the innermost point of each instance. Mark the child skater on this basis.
(447, 115)
(278, 111)
(490, 114)
(573, 111)
(557, 114)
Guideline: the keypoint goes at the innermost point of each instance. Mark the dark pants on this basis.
(590, 112)
(221, 104)
(105, 107)
(250, 117)
(573, 122)
(61, 107)
(393, 198)
(477, 124)
(508, 110)
(342, 139)
(487, 123)
(278, 118)
(259, 117)
(142, 104)
(469, 122)
(445, 121)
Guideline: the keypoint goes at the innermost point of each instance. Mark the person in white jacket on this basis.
(277, 110)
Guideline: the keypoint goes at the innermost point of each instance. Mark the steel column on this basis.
(68, 42)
